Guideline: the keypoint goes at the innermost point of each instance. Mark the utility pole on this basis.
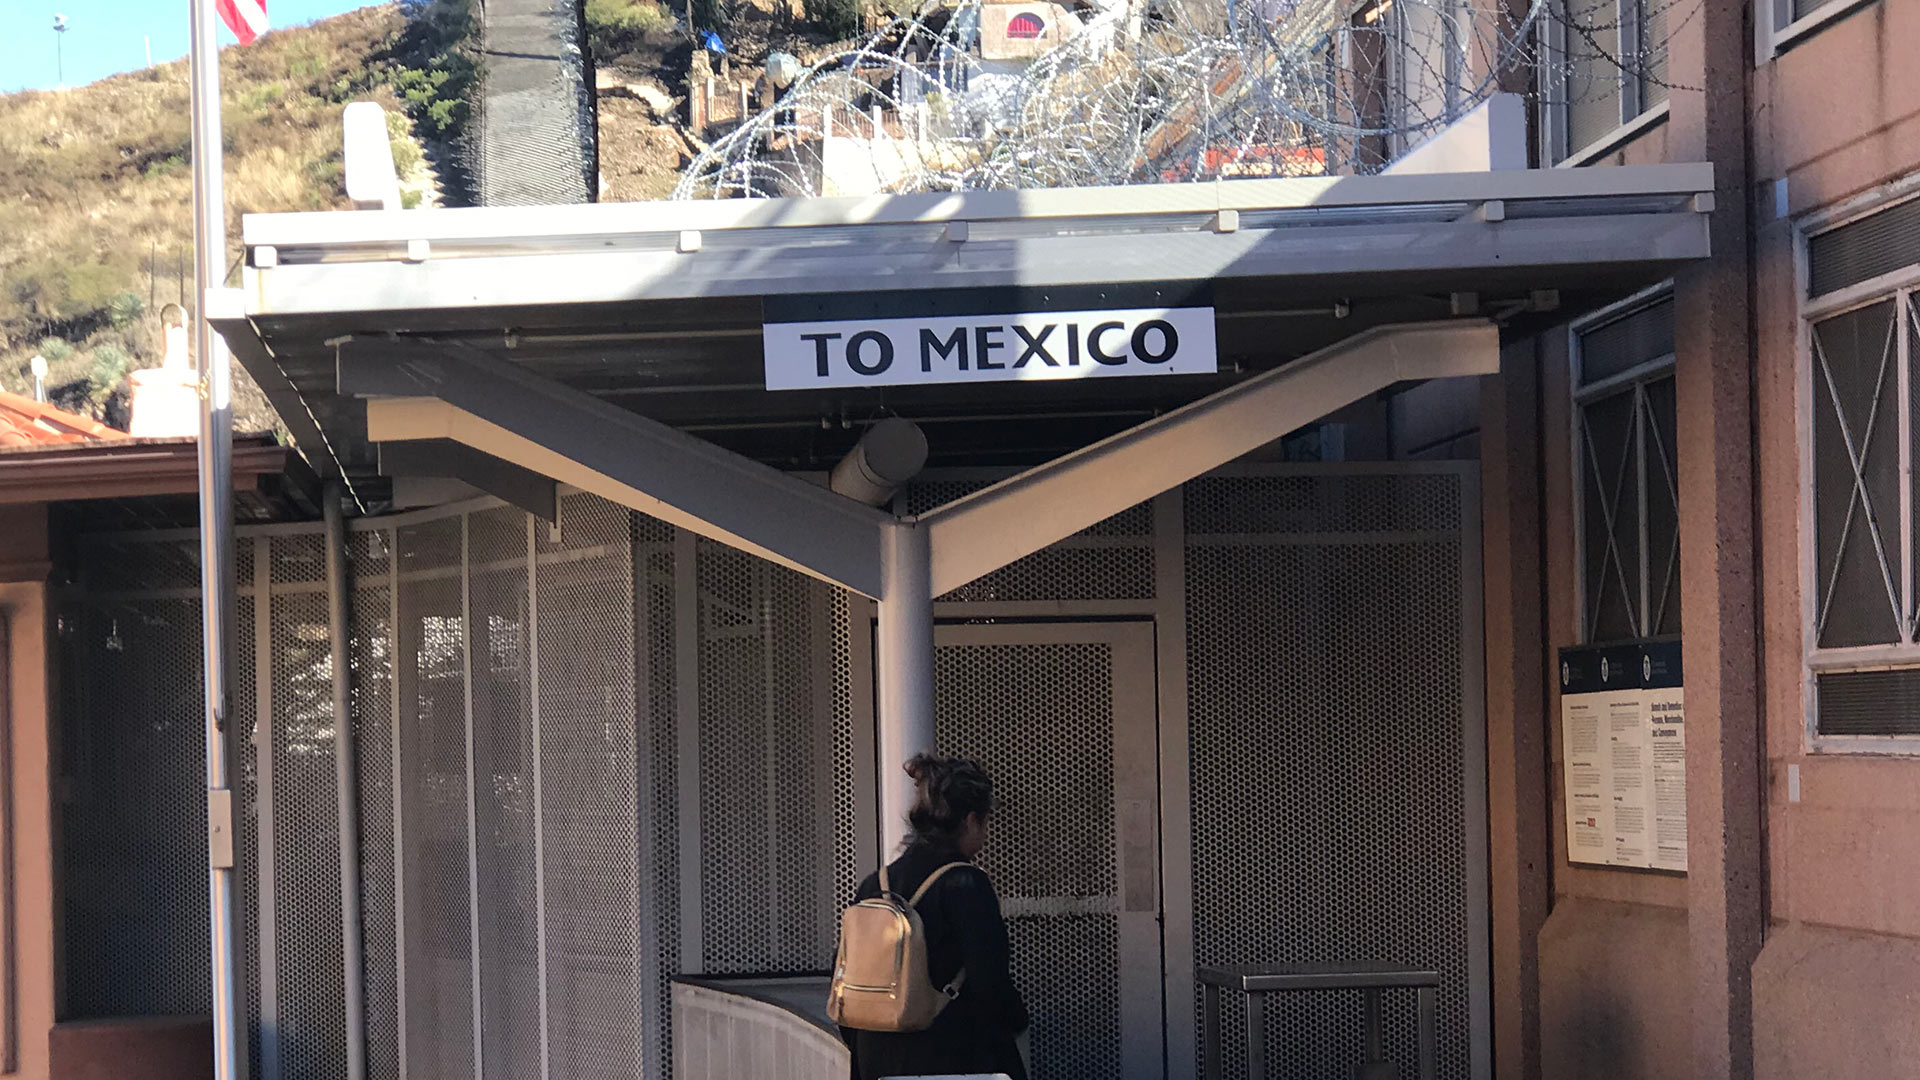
(59, 50)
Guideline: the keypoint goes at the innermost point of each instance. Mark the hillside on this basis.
(95, 212)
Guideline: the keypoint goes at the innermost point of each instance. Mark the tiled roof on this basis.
(26, 422)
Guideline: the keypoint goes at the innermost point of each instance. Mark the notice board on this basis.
(1624, 746)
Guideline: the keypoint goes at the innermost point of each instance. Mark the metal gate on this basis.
(595, 754)
(1062, 716)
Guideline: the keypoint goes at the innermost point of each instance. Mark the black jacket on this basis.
(974, 1034)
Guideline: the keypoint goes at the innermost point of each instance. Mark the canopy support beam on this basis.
(425, 389)
(439, 392)
(449, 460)
(982, 532)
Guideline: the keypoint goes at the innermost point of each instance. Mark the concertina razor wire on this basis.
(1119, 92)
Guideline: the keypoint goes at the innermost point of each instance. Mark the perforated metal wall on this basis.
(535, 822)
(1040, 718)
(767, 808)
(370, 656)
(592, 767)
(521, 705)
(1328, 816)
(1112, 560)
(133, 769)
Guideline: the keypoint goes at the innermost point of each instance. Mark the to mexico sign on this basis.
(990, 348)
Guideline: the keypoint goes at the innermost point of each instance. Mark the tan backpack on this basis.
(880, 979)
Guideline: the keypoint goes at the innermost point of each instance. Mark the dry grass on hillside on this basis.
(95, 213)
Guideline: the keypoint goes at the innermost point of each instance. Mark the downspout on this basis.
(347, 782)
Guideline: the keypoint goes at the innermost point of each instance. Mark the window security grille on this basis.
(1863, 502)
(1629, 533)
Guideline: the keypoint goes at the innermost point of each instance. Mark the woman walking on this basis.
(966, 941)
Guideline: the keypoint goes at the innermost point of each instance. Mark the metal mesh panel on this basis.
(1326, 795)
(1111, 560)
(1040, 718)
(765, 727)
(370, 654)
(306, 840)
(246, 787)
(133, 773)
(850, 858)
(500, 666)
(433, 761)
(654, 615)
(589, 781)
(1218, 510)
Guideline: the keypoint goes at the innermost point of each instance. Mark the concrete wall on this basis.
(30, 940)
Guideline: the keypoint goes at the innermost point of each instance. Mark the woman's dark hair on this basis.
(946, 790)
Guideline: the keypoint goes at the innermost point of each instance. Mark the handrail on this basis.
(1371, 978)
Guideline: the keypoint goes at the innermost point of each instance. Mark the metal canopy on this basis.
(613, 347)
(656, 308)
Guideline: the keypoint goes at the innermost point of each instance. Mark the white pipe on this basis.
(891, 453)
(215, 458)
(903, 661)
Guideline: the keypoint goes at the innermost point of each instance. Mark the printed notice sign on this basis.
(1044, 345)
(1623, 730)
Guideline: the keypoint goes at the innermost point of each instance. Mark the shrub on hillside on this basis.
(615, 26)
(110, 365)
(835, 18)
(436, 68)
(124, 309)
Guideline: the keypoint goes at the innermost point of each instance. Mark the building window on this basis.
(1862, 334)
(1609, 59)
(1399, 75)
(1627, 485)
(1781, 22)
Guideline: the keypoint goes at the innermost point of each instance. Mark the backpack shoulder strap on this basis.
(884, 890)
(931, 878)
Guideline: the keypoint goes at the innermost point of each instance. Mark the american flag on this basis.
(246, 18)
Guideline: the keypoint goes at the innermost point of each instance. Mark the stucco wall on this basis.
(1612, 952)
(1836, 991)
(1835, 1003)
(23, 604)
(1838, 116)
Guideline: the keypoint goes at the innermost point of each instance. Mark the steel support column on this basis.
(905, 665)
(347, 784)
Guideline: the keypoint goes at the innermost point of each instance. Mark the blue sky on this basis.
(109, 36)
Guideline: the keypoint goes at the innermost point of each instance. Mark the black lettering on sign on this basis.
(1035, 346)
(1093, 344)
(930, 343)
(1169, 341)
(1073, 344)
(819, 351)
(983, 347)
(853, 352)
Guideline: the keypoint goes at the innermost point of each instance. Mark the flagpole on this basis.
(216, 526)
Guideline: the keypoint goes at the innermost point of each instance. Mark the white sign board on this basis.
(1624, 750)
(1030, 346)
